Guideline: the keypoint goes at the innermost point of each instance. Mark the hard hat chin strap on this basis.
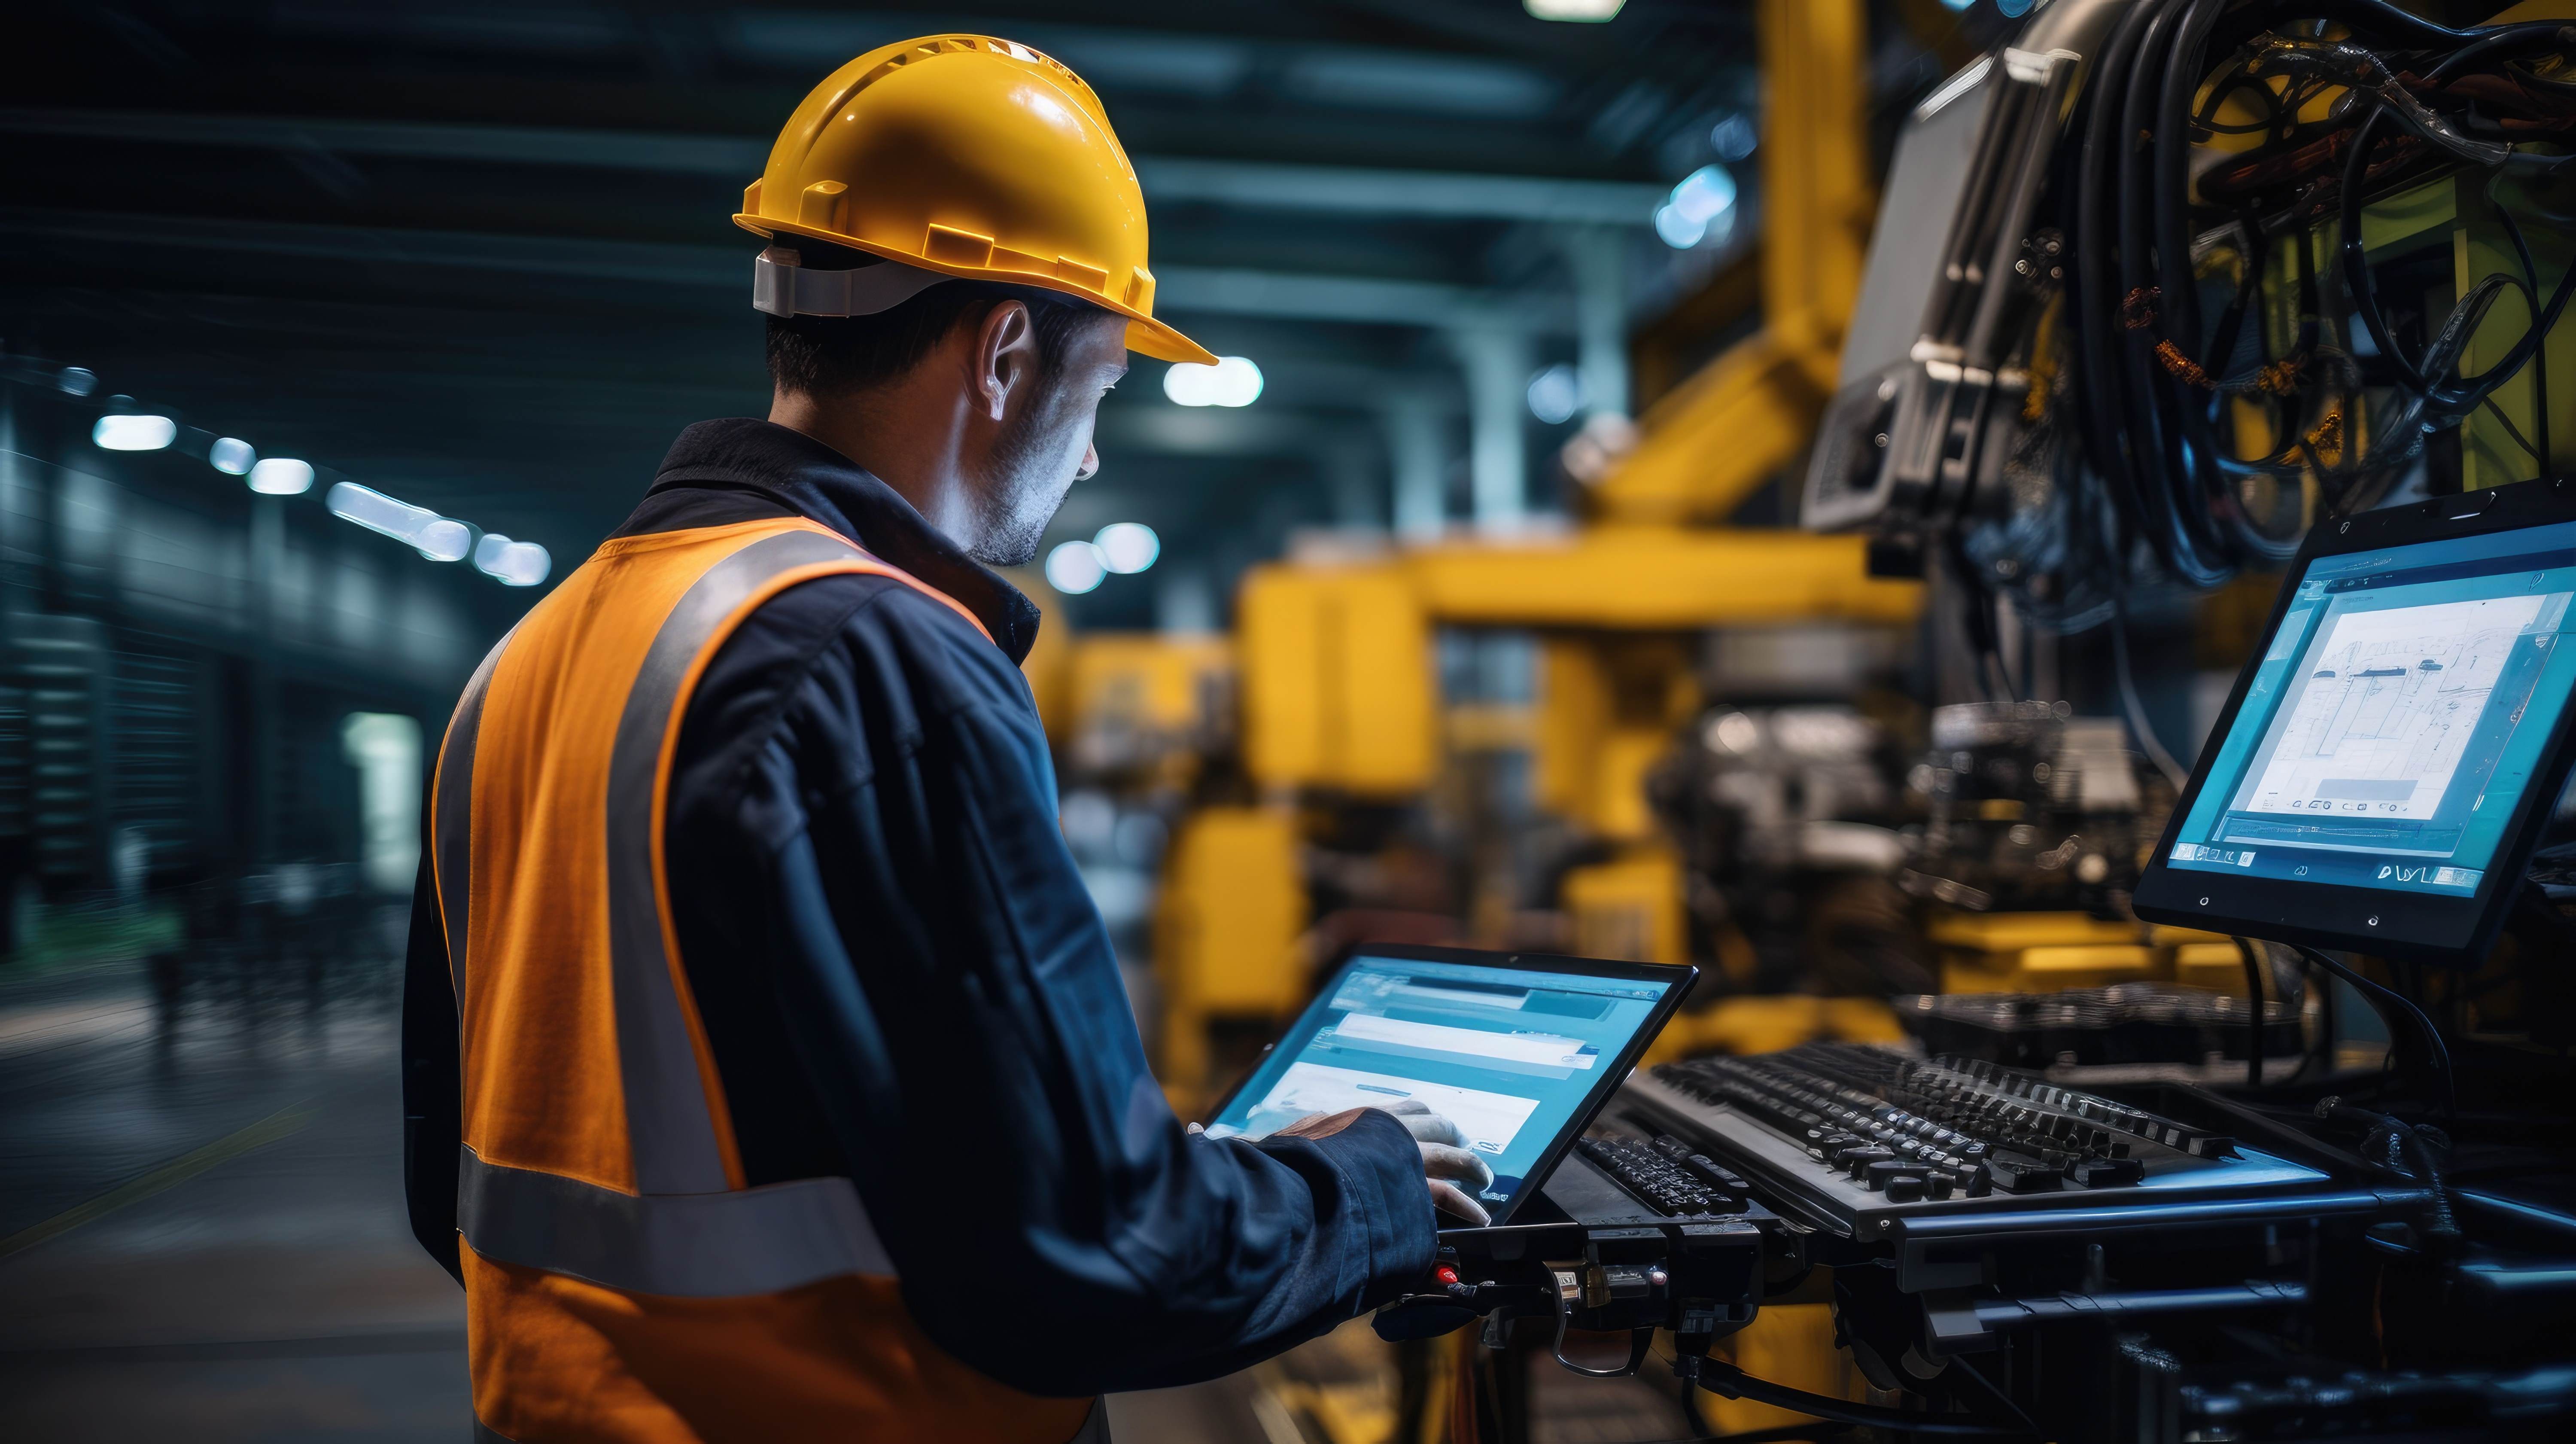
(781, 286)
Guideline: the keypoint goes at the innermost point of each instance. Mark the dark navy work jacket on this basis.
(904, 982)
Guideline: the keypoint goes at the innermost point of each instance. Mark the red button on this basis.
(1445, 1274)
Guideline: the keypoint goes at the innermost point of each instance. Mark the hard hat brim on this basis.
(1144, 334)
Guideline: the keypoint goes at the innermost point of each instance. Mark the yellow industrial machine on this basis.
(1341, 711)
(1338, 698)
(1340, 706)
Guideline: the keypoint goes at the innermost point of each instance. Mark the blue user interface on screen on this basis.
(1506, 1054)
(2396, 719)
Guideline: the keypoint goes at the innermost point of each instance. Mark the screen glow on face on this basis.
(1506, 1054)
(2396, 718)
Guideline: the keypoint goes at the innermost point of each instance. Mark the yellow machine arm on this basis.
(1727, 430)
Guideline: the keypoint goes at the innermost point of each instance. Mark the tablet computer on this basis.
(2389, 755)
(1520, 1050)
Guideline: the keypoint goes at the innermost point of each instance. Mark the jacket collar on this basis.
(794, 471)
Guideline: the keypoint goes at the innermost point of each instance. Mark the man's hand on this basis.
(1446, 1163)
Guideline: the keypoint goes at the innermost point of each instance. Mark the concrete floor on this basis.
(202, 1234)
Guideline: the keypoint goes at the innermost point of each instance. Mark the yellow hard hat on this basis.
(969, 157)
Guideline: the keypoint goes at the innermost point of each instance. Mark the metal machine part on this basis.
(1996, 1239)
(2123, 1025)
(2029, 807)
(1907, 437)
(1623, 1236)
(1786, 827)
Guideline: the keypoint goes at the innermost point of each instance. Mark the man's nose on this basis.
(1090, 463)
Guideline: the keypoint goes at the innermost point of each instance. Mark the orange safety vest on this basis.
(622, 1282)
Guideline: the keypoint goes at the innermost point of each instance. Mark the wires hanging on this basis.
(2340, 100)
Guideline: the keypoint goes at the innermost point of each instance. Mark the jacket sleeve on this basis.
(433, 1106)
(953, 998)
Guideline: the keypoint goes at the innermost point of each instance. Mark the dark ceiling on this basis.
(480, 255)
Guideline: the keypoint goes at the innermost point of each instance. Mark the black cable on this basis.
(1996, 1394)
(2437, 1051)
(1728, 1381)
(2356, 266)
(2371, 17)
(2202, 556)
(2407, 1149)
(2179, 286)
(2094, 286)
(2246, 950)
(2539, 355)
(2512, 431)
(2127, 677)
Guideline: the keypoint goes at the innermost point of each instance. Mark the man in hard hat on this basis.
(768, 1074)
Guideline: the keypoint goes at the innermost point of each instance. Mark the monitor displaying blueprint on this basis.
(2397, 716)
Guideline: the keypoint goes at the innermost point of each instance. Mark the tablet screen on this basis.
(1515, 1056)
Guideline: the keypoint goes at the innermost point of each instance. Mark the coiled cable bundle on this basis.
(2348, 98)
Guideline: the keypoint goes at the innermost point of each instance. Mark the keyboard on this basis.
(1667, 1174)
(1852, 1137)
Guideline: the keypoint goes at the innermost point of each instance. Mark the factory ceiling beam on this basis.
(1248, 184)
(1205, 290)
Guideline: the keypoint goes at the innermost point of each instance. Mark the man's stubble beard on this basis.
(1024, 490)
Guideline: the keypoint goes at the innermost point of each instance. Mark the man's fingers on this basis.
(1439, 1160)
(1446, 1197)
(1404, 1107)
(1429, 1127)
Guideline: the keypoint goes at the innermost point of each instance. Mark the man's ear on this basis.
(1006, 356)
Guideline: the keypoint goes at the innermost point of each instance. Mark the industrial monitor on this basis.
(2394, 746)
(1518, 1049)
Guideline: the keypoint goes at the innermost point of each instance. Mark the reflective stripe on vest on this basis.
(682, 1232)
(572, 1006)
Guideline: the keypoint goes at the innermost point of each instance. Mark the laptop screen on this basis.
(1516, 1057)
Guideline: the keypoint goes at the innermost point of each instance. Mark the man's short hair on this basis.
(836, 355)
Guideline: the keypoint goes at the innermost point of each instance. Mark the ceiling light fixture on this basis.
(1075, 567)
(1232, 381)
(134, 433)
(433, 536)
(1702, 205)
(281, 476)
(231, 455)
(1587, 12)
(512, 563)
(1555, 394)
(1127, 547)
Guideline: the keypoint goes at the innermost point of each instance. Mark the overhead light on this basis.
(280, 476)
(1586, 11)
(1232, 381)
(446, 541)
(76, 380)
(1075, 567)
(512, 563)
(232, 456)
(1701, 205)
(1555, 393)
(134, 433)
(1734, 138)
(1127, 547)
(432, 535)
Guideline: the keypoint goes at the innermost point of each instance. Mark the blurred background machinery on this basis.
(1681, 487)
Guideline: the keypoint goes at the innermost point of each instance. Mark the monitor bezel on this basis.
(2415, 927)
(1681, 975)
